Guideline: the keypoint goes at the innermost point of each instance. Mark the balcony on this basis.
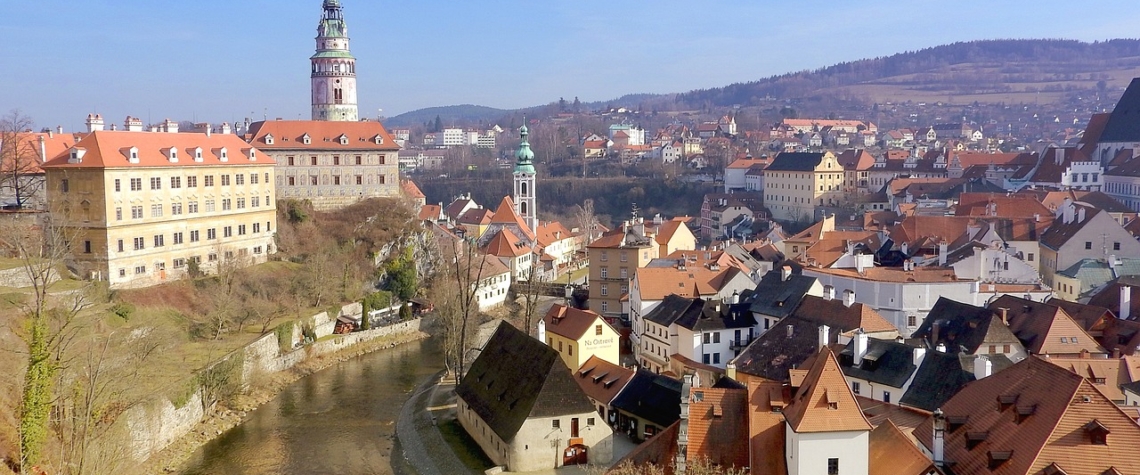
(741, 343)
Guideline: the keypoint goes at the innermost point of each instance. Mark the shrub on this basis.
(284, 334)
(123, 310)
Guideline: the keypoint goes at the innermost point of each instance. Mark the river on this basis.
(340, 420)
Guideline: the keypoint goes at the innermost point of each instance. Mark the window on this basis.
(605, 290)
(120, 245)
(624, 257)
(716, 358)
(241, 203)
(705, 358)
(833, 466)
(191, 182)
(209, 179)
(192, 207)
(209, 206)
(118, 214)
(886, 396)
(290, 159)
(292, 182)
(716, 337)
(605, 256)
(211, 234)
(597, 330)
(336, 159)
(257, 227)
(255, 202)
(1030, 257)
(589, 421)
(178, 238)
(176, 208)
(118, 185)
(1116, 246)
(605, 272)
(359, 179)
(159, 240)
(136, 184)
(382, 178)
(193, 236)
(87, 247)
(140, 269)
(336, 179)
(155, 183)
(241, 230)
(226, 204)
(253, 178)
(64, 185)
(706, 338)
(313, 180)
(1005, 349)
(139, 243)
(156, 211)
(605, 306)
(239, 179)
(176, 182)
(911, 321)
(855, 386)
(136, 212)
(228, 231)
(179, 263)
(555, 424)
(359, 161)
(1088, 244)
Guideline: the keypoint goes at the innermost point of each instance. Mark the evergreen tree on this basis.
(438, 125)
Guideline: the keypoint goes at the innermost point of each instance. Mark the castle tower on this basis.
(524, 182)
(334, 69)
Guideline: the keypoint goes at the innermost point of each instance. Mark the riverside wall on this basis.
(156, 423)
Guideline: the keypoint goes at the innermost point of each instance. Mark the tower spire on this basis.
(525, 203)
(333, 68)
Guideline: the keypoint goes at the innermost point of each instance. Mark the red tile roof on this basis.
(505, 214)
(718, 426)
(111, 149)
(323, 135)
(602, 380)
(570, 322)
(824, 402)
(766, 428)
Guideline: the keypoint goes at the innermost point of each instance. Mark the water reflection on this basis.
(340, 420)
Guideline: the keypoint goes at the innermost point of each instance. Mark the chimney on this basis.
(1081, 215)
(59, 129)
(735, 297)
(934, 332)
(786, 273)
(43, 149)
(860, 346)
(1004, 312)
(1059, 155)
(848, 298)
(938, 455)
(943, 247)
(919, 354)
(1067, 210)
(683, 430)
(541, 334)
(1125, 302)
(828, 292)
(790, 329)
(824, 336)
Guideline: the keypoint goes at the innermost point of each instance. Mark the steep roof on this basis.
(111, 149)
(1044, 329)
(323, 135)
(824, 402)
(657, 282)
(34, 150)
(963, 327)
(1106, 374)
(1035, 414)
(535, 384)
(766, 429)
(887, 362)
(654, 397)
(778, 297)
(429, 212)
(602, 380)
(1060, 232)
(570, 322)
(890, 452)
(411, 190)
(795, 162)
(505, 214)
(939, 377)
(718, 428)
(1122, 125)
(505, 244)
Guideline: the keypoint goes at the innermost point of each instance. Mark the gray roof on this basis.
(938, 379)
(795, 162)
(1124, 122)
(886, 362)
(777, 297)
(963, 327)
(653, 397)
(535, 383)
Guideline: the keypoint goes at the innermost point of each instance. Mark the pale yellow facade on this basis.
(794, 195)
(612, 267)
(600, 340)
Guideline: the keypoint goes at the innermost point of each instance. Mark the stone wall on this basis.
(156, 423)
(18, 277)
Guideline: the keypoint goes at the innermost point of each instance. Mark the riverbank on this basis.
(262, 389)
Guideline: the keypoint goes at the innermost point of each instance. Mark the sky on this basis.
(215, 61)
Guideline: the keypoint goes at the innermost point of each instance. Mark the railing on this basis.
(741, 343)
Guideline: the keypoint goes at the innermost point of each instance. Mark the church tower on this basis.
(524, 183)
(334, 69)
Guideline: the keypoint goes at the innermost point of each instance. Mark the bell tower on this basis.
(525, 201)
(334, 68)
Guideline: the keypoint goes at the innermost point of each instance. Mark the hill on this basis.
(1044, 71)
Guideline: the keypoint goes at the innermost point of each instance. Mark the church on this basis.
(335, 158)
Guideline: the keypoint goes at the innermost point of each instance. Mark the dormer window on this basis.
(343, 139)
(268, 139)
(997, 458)
(77, 154)
(172, 154)
(306, 139)
(379, 139)
(252, 154)
(223, 155)
(1097, 432)
(197, 154)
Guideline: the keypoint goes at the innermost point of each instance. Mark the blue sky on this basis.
(211, 60)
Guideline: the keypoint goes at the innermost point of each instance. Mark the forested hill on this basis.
(974, 67)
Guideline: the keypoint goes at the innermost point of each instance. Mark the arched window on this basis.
(522, 208)
(522, 189)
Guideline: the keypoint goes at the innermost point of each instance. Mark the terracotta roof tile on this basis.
(570, 322)
(824, 402)
(766, 428)
(287, 135)
(602, 380)
(107, 149)
(890, 452)
(718, 426)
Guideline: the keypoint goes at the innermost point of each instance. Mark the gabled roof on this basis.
(939, 377)
(30, 152)
(602, 380)
(766, 431)
(411, 190)
(887, 362)
(1106, 374)
(1088, 316)
(457, 207)
(505, 214)
(718, 427)
(323, 135)
(824, 402)
(778, 297)
(570, 322)
(1122, 125)
(1061, 232)
(796, 162)
(963, 327)
(654, 397)
(549, 232)
(657, 282)
(111, 149)
(429, 212)
(1038, 414)
(535, 384)
(478, 216)
(505, 244)
(1044, 329)
(890, 452)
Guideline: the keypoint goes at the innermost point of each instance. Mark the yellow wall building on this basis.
(138, 207)
(578, 335)
(795, 184)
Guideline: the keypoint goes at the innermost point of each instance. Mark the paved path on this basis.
(422, 444)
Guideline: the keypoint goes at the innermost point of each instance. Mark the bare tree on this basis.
(455, 295)
(531, 290)
(587, 220)
(19, 159)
